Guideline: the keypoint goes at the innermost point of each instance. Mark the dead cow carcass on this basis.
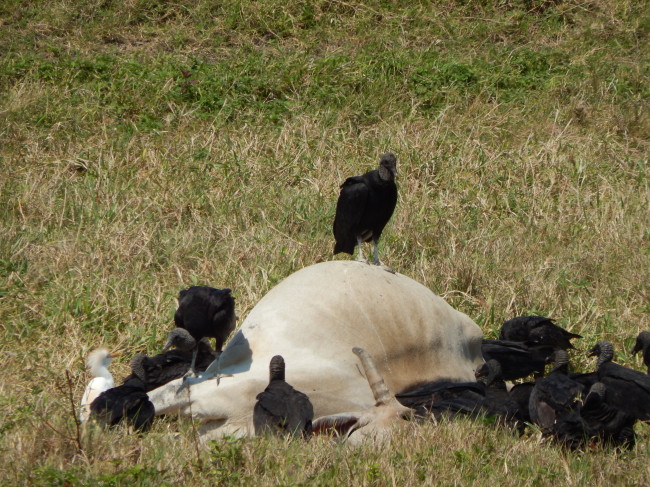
(313, 319)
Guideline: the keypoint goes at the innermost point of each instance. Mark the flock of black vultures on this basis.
(576, 409)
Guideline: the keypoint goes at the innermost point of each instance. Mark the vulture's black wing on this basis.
(350, 208)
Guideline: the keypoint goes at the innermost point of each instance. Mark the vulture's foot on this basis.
(218, 377)
(190, 374)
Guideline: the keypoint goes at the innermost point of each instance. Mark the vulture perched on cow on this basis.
(173, 364)
(206, 312)
(280, 409)
(364, 207)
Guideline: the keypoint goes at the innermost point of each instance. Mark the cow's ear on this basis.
(340, 425)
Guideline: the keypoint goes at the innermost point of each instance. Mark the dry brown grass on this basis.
(513, 199)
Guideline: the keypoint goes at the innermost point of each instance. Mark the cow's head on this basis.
(374, 423)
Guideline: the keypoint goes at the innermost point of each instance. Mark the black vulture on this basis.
(206, 312)
(174, 364)
(128, 402)
(520, 393)
(444, 399)
(517, 359)
(364, 207)
(280, 409)
(555, 404)
(97, 363)
(498, 401)
(605, 423)
(536, 330)
(180, 339)
(587, 379)
(643, 345)
(627, 389)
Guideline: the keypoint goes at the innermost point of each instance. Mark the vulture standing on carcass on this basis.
(536, 330)
(173, 364)
(643, 345)
(128, 402)
(97, 363)
(280, 409)
(205, 312)
(364, 207)
(627, 389)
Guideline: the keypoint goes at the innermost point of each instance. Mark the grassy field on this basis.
(148, 145)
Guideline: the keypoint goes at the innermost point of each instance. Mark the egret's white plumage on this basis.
(97, 363)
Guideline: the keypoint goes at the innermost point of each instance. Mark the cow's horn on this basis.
(376, 381)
